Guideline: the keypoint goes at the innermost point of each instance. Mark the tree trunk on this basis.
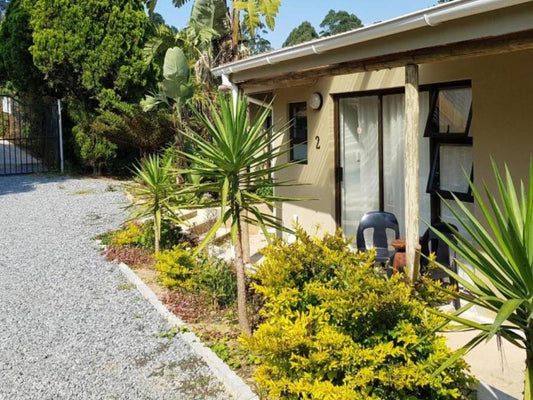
(241, 283)
(157, 230)
(245, 242)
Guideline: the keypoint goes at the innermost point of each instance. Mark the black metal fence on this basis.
(29, 137)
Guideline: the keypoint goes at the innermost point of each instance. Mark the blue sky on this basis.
(294, 12)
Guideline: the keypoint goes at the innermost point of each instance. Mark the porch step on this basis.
(187, 215)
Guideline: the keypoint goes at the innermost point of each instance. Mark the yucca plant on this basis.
(501, 252)
(235, 163)
(154, 193)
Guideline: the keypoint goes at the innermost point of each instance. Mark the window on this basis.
(298, 132)
(448, 127)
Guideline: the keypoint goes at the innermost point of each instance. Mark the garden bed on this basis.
(324, 320)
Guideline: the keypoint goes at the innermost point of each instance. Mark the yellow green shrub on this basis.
(202, 274)
(127, 236)
(337, 328)
(176, 268)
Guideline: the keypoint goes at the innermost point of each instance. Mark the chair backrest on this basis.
(380, 221)
(431, 243)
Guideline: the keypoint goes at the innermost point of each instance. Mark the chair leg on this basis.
(456, 303)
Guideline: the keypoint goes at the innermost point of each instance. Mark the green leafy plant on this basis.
(171, 235)
(127, 236)
(177, 268)
(169, 333)
(224, 18)
(215, 278)
(154, 193)
(181, 268)
(234, 163)
(337, 328)
(500, 249)
(94, 150)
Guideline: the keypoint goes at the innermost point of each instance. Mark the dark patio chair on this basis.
(380, 222)
(431, 243)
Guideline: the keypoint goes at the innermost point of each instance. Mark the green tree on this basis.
(500, 250)
(94, 150)
(126, 124)
(157, 19)
(234, 163)
(83, 47)
(16, 62)
(339, 21)
(303, 33)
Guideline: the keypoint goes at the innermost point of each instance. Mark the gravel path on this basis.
(70, 325)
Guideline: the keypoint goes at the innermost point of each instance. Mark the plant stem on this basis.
(157, 229)
(241, 281)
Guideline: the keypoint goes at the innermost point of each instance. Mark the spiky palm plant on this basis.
(154, 193)
(236, 161)
(501, 252)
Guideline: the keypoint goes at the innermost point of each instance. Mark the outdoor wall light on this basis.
(315, 101)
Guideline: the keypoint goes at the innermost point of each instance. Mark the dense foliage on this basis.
(231, 21)
(83, 47)
(180, 268)
(16, 62)
(128, 125)
(337, 328)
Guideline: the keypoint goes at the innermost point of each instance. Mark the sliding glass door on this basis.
(372, 152)
(359, 159)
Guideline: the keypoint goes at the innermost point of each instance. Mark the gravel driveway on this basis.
(70, 325)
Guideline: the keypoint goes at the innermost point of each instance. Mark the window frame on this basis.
(434, 173)
(439, 139)
(431, 130)
(293, 140)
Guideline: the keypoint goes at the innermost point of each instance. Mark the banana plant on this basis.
(176, 85)
(500, 250)
(225, 18)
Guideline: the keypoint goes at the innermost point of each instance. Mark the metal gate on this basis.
(30, 137)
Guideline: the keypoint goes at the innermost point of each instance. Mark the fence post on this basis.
(62, 167)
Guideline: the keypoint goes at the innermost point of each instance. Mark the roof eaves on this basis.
(428, 17)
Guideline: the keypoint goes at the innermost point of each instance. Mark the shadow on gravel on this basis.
(10, 184)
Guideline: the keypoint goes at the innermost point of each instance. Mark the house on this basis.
(388, 116)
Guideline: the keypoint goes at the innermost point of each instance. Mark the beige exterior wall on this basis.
(502, 125)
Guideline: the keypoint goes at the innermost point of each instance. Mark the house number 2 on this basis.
(317, 138)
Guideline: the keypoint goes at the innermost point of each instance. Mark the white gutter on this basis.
(429, 17)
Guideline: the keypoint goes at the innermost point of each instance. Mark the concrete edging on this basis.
(233, 383)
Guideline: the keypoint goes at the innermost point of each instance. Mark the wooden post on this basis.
(412, 167)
